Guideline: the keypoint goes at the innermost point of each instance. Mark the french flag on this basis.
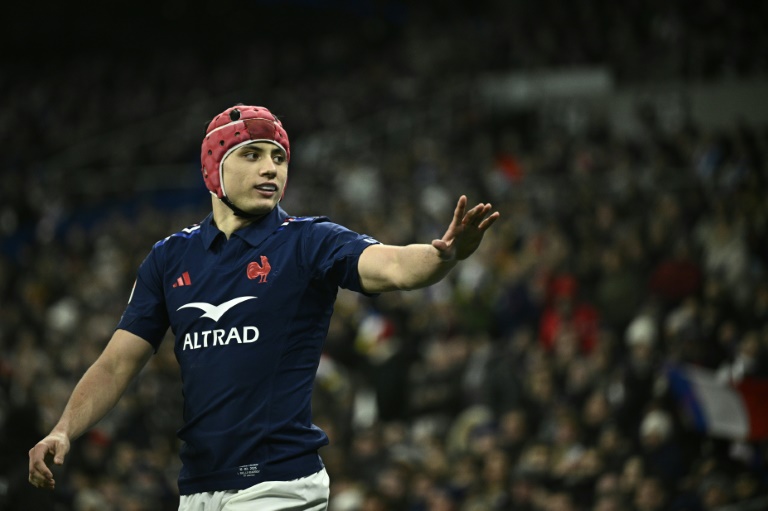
(736, 411)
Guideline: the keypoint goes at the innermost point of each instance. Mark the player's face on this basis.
(254, 177)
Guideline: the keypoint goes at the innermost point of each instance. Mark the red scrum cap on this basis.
(232, 128)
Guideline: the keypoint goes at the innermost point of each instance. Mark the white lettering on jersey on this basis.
(215, 312)
(248, 470)
(197, 340)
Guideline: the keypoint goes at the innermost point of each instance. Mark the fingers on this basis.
(486, 223)
(39, 482)
(458, 213)
(466, 230)
(444, 249)
(477, 216)
(39, 473)
(37, 464)
(60, 450)
(440, 245)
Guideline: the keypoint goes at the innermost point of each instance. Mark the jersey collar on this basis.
(253, 233)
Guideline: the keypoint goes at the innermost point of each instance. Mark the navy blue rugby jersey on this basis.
(250, 315)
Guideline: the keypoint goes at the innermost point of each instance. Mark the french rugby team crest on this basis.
(259, 271)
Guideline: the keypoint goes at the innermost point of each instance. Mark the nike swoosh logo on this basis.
(215, 312)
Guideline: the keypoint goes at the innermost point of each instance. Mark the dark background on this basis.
(633, 237)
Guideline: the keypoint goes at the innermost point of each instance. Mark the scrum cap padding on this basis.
(232, 128)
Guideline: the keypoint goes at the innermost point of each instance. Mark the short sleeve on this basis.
(146, 314)
(333, 252)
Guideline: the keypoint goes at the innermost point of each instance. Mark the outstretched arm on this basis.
(388, 267)
(97, 392)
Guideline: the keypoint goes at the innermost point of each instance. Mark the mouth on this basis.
(266, 189)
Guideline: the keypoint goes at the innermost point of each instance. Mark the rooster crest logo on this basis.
(260, 271)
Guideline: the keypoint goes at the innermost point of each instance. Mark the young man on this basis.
(248, 294)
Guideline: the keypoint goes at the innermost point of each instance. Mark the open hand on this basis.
(52, 448)
(466, 230)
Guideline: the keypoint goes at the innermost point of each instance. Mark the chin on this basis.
(261, 209)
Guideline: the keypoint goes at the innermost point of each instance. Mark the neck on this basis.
(226, 220)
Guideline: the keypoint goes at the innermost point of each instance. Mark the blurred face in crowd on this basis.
(513, 427)
(649, 496)
(254, 177)
(559, 502)
(440, 501)
(632, 473)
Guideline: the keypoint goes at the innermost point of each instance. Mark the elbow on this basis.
(413, 284)
(383, 287)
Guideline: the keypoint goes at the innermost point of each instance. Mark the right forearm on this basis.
(96, 393)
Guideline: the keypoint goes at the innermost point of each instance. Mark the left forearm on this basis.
(390, 268)
(422, 266)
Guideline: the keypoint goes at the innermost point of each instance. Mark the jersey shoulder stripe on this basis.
(298, 219)
(186, 233)
(291, 219)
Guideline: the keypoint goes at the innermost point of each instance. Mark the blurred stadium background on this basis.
(625, 144)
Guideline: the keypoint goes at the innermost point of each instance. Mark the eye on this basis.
(251, 156)
(279, 158)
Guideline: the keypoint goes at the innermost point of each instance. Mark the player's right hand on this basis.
(52, 448)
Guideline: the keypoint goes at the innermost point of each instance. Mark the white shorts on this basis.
(306, 494)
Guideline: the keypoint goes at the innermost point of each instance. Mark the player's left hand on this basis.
(466, 230)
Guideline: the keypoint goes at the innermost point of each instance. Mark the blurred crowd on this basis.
(532, 378)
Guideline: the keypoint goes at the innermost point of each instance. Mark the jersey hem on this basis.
(223, 480)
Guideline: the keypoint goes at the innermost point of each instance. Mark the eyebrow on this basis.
(255, 147)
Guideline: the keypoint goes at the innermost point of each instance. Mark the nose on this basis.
(269, 168)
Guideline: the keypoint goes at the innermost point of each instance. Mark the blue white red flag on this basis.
(737, 411)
